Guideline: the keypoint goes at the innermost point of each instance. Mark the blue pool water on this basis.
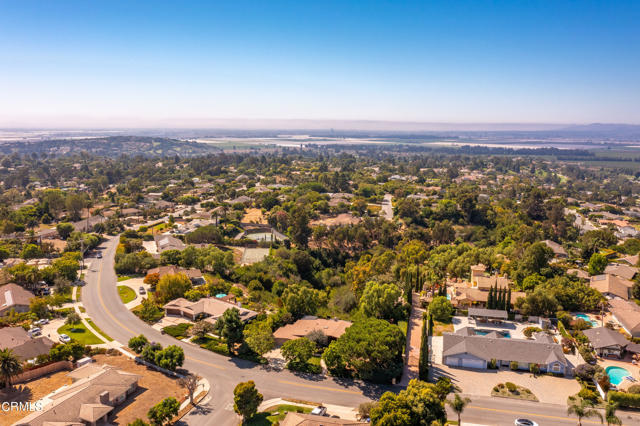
(594, 323)
(220, 295)
(505, 334)
(616, 374)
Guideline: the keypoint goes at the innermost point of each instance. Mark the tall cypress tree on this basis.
(490, 298)
(508, 307)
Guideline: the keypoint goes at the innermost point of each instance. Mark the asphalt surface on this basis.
(102, 302)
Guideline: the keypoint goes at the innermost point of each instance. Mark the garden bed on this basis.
(511, 390)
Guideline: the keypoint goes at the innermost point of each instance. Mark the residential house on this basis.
(12, 296)
(474, 351)
(631, 260)
(243, 199)
(24, 346)
(94, 393)
(621, 270)
(167, 242)
(558, 251)
(300, 419)
(479, 279)
(209, 309)
(611, 286)
(627, 314)
(606, 342)
(193, 274)
(332, 328)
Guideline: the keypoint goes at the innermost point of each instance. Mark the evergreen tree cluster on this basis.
(499, 298)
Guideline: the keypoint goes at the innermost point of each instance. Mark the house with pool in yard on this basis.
(466, 349)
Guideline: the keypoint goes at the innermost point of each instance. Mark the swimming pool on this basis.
(504, 334)
(221, 295)
(616, 374)
(594, 323)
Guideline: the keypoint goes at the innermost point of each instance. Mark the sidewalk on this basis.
(347, 413)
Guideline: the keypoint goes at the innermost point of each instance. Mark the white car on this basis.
(525, 422)
(64, 338)
(319, 411)
(35, 331)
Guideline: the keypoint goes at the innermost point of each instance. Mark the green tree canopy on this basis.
(417, 405)
(246, 399)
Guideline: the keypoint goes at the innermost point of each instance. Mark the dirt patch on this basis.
(340, 220)
(30, 392)
(153, 387)
(254, 216)
(57, 244)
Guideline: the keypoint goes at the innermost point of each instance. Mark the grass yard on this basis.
(126, 294)
(179, 331)
(275, 415)
(510, 390)
(80, 333)
(441, 327)
(96, 328)
(123, 277)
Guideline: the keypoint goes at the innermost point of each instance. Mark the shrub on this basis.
(631, 400)
(528, 332)
(586, 353)
(585, 371)
(496, 389)
(588, 394)
(534, 368)
(511, 387)
(634, 389)
(493, 363)
(138, 343)
(513, 365)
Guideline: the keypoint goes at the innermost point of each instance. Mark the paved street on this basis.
(103, 304)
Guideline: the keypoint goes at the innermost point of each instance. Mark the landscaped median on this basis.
(126, 294)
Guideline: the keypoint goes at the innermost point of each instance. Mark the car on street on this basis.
(42, 321)
(35, 331)
(64, 338)
(99, 256)
(319, 411)
(525, 422)
(141, 290)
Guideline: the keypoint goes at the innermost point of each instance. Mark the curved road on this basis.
(100, 299)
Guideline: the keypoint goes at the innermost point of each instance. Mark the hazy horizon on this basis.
(201, 64)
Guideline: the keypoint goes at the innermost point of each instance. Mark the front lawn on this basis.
(275, 415)
(179, 331)
(80, 333)
(126, 294)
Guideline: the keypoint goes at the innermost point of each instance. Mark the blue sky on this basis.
(142, 62)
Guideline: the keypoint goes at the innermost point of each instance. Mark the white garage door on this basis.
(472, 363)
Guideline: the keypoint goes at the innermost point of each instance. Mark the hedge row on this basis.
(631, 400)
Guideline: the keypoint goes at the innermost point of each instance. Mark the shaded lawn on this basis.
(267, 418)
(80, 333)
(126, 294)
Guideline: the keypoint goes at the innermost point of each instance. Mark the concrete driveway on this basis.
(548, 389)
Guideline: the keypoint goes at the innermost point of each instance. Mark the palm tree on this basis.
(610, 414)
(458, 404)
(10, 366)
(582, 409)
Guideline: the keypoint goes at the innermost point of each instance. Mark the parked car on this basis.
(43, 321)
(141, 290)
(525, 422)
(319, 411)
(99, 256)
(64, 338)
(35, 331)
(78, 283)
